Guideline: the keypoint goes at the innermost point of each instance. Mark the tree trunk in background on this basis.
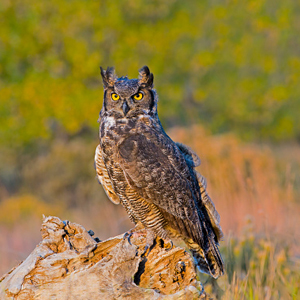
(70, 264)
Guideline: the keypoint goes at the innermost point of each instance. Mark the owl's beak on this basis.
(125, 108)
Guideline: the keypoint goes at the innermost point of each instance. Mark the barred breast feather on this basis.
(103, 177)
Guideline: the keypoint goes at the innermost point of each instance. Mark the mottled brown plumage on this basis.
(153, 177)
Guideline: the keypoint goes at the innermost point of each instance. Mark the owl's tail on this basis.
(209, 262)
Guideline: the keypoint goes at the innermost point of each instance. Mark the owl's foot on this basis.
(168, 243)
(134, 231)
(139, 230)
(150, 242)
(127, 235)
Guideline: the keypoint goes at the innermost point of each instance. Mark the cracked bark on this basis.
(70, 264)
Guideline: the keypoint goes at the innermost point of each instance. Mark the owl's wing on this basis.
(155, 168)
(189, 154)
(192, 158)
(210, 207)
(103, 177)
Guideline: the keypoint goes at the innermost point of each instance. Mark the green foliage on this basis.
(233, 65)
(23, 208)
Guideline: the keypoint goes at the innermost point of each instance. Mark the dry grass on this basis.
(255, 189)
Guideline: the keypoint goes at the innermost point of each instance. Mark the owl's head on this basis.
(128, 98)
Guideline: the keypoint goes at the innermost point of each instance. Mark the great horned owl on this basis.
(153, 177)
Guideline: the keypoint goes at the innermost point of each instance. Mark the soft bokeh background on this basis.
(227, 74)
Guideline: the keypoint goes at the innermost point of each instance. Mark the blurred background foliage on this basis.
(231, 65)
(227, 76)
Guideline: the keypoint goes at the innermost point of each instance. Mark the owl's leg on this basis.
(138, 227)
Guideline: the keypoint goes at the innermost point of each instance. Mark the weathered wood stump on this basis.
(70, 264)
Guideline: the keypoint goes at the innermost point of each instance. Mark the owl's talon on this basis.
(128, 236)
(147, 247)
(171, 247)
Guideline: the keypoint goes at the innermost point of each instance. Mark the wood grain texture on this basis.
(69, 264)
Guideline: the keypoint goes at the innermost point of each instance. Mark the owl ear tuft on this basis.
(145, 77)
(108, 76)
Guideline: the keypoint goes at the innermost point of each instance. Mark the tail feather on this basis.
(210, 262)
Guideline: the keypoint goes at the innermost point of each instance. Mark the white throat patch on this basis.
(110, 122)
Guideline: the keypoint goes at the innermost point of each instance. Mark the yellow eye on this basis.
(115, 96)
(138, 96)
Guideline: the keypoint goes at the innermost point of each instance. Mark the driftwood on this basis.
(70, 264)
